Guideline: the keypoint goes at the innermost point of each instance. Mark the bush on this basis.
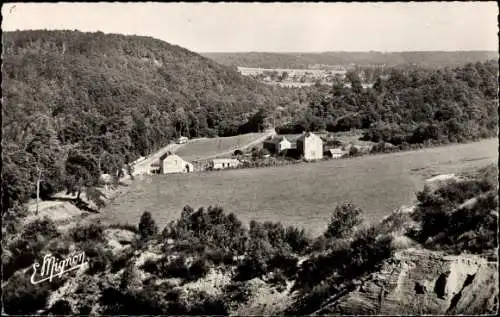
(141, 302)
(147, 226)
(178, 268)
(343, 221)
(285, 262)
(130, 278)
(278, 279)
(40, 227)
(253, 265)
(207, 230)
(449, 225)
(198, 269)
(207, 305)
(354, 151)
(26, 248)
(297, 239)
(367, 251)
(237, 292)
(88, 233)
(61, 307)
(99, 258)
(20, 297)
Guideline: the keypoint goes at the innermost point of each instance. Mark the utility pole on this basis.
(39, 172)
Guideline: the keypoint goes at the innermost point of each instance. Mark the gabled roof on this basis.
(277, 139)
(164, 155)
(307, 135)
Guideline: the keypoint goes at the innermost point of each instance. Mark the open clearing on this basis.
(303, 195)
(199, 149)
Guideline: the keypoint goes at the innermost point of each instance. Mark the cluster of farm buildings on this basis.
(308, 146)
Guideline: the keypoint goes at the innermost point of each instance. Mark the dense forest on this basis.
(76, 105)
(436, 59)
(79, 104)
(411, 105)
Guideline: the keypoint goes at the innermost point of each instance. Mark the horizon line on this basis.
(259, 51)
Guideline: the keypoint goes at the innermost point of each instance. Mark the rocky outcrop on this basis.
(418, 281)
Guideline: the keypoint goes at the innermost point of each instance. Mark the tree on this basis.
(147, 226)
(82, 170)
(343, 221)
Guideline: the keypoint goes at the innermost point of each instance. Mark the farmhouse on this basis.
(171, 163)
(277, 144)
(217, 164)
(310, 146)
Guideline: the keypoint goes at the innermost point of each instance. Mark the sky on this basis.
(276, 27)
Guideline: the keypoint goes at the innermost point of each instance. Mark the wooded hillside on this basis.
(76, 104)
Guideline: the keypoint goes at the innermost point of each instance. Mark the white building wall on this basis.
(174, 164)
(283, 145)
(313, 148)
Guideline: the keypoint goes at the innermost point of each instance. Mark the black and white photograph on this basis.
(250, 158)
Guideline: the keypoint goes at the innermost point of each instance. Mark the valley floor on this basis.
(303, 194)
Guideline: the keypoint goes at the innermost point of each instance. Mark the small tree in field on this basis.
(147, 226)
(343, 221)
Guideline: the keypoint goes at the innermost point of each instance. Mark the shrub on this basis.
(61, 307)
(141, 302)
(354, 151)
(278, 279)
(40, 227)
(99, 258)
(297, 239)
(207, 305)
(20, 297)
(121, 260)
(130, 278)
(203, 230)
(253, 265)
(237, 292)
(285, 262)
(26, 248)
(147, 226)
(88, 233)
(198, 269)
(367, 251)
(343, 221)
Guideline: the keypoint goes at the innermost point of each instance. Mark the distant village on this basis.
(307, 146)
(323, 74)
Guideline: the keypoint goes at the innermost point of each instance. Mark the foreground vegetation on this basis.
(205, 241)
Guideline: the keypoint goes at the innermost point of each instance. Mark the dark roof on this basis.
(165, 155)
(276, 139)
(306, 135)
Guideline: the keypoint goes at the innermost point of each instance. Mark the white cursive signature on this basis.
(51, 267)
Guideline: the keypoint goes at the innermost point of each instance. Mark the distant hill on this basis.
(305, 60)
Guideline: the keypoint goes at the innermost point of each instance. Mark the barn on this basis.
(171, 163)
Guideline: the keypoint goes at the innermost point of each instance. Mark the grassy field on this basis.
(208, 148)
(304, 194)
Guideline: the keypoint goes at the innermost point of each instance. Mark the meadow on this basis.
(199, 149)
(305, 194)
